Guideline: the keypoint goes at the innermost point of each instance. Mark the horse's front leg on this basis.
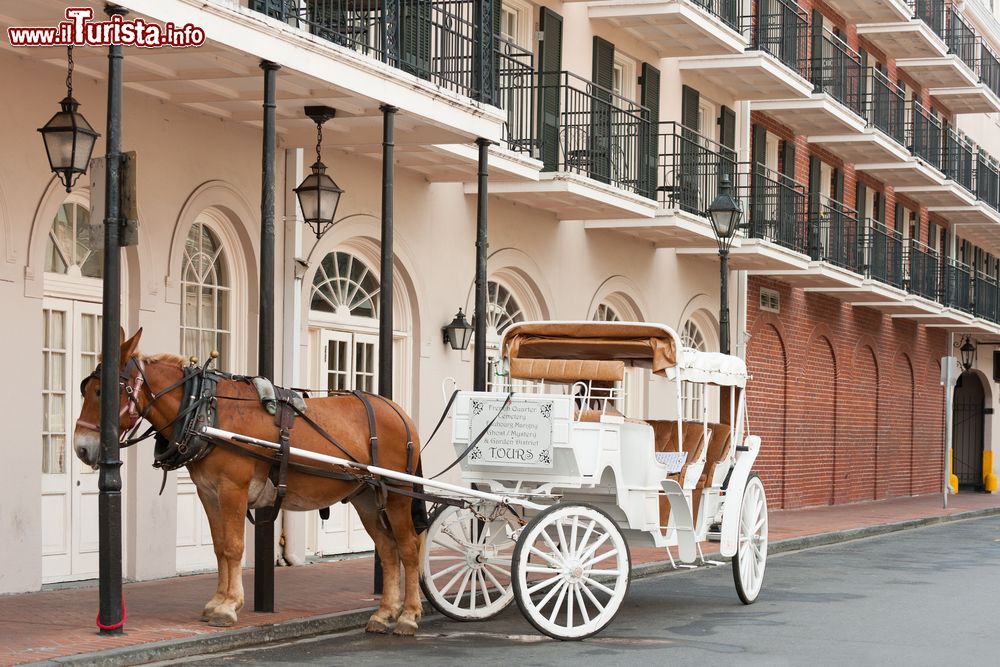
(410, 547)
(210, 501)
(233, 509)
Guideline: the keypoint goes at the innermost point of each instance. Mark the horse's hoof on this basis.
(377, 626)
(405, 629)
(222, 619)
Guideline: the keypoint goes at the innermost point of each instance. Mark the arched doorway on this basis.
(967, 438)
(343, 321)
(71, 343)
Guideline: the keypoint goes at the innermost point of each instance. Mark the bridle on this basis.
(132, 385)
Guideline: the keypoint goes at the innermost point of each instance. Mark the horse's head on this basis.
(87, 435)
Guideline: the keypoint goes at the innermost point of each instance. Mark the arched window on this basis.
(344, 285)
(692, 395)
(502, 310)
(606, 313)
(69, 249)
(205, 307)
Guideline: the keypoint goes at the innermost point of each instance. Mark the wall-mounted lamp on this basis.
(458, 333)
(968, 351)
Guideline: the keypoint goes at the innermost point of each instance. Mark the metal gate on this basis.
(967, 442)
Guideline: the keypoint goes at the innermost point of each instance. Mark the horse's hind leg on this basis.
(385, 545)
(409, 544)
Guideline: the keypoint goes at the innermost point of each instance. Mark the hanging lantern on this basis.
(318, 194)
(69, 138)
(968, 350)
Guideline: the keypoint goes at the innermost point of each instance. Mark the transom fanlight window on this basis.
(502, 309)
(68, 250)
(205, 320)
(692, 395)
(344, 285)
(606, 313)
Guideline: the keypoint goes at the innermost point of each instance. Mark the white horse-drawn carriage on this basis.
(565, 483)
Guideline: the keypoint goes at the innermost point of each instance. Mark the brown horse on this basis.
(229, 482)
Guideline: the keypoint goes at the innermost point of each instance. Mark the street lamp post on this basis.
(725, 213)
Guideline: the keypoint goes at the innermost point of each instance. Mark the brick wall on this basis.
(845, 399)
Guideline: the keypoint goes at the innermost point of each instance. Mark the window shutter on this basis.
(727, 137)
(860, 196)
(899, 224)
(550, 95)
(415, 37)
(788, 161)
(602, 110)
(758, 188)
(690, 99)
(838, 186)
(818, 56)
(651, 142)
(729, 12)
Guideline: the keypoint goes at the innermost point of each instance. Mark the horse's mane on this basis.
(165, 358)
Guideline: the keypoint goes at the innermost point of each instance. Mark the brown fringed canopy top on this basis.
(633, 342)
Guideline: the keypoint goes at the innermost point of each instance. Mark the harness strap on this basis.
(409, 435)
(444, 415)
(372, 433)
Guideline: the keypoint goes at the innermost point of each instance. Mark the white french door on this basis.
(71, 344)
(348, 361)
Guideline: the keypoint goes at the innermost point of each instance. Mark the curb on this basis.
(173, 649)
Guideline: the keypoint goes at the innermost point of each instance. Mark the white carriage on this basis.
(565, 483)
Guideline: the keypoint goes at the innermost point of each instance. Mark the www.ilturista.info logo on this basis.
(79, 30)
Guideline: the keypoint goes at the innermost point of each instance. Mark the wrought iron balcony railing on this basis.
(884, 255)
(987, 297)
(962, 39)
(516, 78)
(778, 210)
(837, 69)
(924, 134)
(438, 40)
(727, 10)
(956, 285)
(690, 168)
(781, 28)
(988, 179)
(959, 158)
(835, 233)
(587, 129)
(885, 106)
(923, 268)
(934, 13)
(989, 67)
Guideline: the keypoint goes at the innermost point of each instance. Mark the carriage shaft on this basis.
(374, 470)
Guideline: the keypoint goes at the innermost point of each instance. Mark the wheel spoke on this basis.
(474, 580)
(559, 602)
(462, 558)
(447, 587)
(592, 549)
(548, 596)
(604, 573)
(499, 569)
(598, 585)
(581, 604)
(456, 547)
(557, 550)
(593, 599)
(544, 556)
(450, 568)
(540, 569)
(485, 588)
(493, 579)
(597, 559)
(572, 535)
(570, 589)
(563, 544)
(531, 590)
(461, 588)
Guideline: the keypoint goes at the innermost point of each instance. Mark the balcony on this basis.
(688, 170)
(596, 149)
(872, 11)
(774, 67)
(677, 28)
(903, 40)
(951, 153)
(837, 103)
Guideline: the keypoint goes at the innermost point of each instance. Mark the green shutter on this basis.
(838, 186)
(651, 141)
(758, 189)
(819, 67)
(690, 99)
(860, 195)
(788, 162)
(880, 207)
(602, 110)
(549, 94)
(727, 137)
(415, 37)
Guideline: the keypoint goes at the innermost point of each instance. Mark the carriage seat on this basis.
(665, 440)
(567, 370)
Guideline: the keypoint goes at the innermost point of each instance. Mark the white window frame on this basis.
(624, 71)
(524, 19)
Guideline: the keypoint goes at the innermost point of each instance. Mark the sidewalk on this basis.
(163, 615)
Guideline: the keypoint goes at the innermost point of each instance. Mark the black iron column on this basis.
(385, 323)
(724, 306)
(109, 482)
(482, 246)
(263, 574)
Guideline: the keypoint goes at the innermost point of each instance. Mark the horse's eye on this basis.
(98, 392)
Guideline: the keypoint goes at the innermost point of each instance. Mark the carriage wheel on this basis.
(751, 554)
(571, 571)
(466, 572)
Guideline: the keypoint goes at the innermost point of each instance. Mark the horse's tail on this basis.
(422, 546)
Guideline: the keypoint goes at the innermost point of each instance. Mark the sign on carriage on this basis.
(520, 436)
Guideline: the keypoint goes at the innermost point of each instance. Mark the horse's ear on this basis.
(121, 335)
(130, 346)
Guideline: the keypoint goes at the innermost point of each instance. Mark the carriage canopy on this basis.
(654, 346)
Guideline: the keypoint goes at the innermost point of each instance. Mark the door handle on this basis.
(78, 482)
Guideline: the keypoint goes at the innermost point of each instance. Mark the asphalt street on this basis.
(922, 597)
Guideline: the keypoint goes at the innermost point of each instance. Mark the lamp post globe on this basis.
(725, 212)
(319, 197)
